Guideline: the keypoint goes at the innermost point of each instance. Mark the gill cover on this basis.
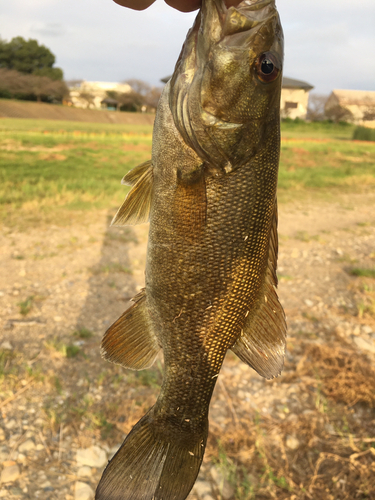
(219, 96)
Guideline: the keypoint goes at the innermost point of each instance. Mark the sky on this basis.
(328, 43)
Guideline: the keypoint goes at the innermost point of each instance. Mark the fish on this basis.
(209, 193)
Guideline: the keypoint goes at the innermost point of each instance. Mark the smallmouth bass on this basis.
(209, 192)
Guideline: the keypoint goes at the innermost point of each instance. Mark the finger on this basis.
(232, 3)
(135, 4)
(184, 5)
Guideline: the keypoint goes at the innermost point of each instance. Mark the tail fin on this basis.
(153, 464)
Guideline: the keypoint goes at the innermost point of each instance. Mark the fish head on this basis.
(225, 91)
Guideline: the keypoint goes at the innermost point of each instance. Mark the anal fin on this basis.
(263, 337)
(130, 341)
(137, 205)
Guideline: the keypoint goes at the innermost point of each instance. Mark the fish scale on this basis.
(209, 192)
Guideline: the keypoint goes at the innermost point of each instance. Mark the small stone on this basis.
(367, 329)
(10, 474)
(202, 488)
(93, 456)
(364, 345)
(39, 447)
(357, 330)
(226, 490)
(57, 319)
(2, 434)
(292, 442)
(84, 471)
(83, 491)
(7, 346)
(309, 302)
(11, 424)
(27, 446)
(21, 457)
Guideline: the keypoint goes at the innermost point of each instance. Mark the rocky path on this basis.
(64, 411)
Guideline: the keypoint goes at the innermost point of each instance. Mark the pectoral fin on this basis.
(130, 341)
(133, 176)
(137, 205)
(263, 337)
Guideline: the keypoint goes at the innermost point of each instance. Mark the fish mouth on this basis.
(218, 21)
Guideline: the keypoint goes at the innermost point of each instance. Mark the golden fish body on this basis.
(210, 194)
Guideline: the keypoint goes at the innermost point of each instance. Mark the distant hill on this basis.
(40, 110)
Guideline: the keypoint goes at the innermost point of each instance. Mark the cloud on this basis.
(48, 29)
(327, 42)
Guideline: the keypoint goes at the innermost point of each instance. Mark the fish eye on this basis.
(267, 67)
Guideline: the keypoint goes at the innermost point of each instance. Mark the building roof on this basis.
(291, 83)
(357, 97)
(109, 101)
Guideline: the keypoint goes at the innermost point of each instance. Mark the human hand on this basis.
(182, 5)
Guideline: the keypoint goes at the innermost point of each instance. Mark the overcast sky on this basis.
(328, 43)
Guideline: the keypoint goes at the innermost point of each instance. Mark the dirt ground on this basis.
(61, 287)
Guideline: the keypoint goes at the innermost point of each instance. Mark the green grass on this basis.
(51, 171)
(83, 333)
(331, 166)
(78, 166)
(316, 130)
(67, 350)
(71, 128)
(363, 272)
(364, 134)
(26, 306)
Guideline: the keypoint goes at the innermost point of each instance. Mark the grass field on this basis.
(66, 276)
(51, 167)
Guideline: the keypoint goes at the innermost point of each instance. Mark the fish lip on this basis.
(256, 12)
(258, 4)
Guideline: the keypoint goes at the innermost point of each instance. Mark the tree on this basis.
(339, 114)
(139, 86)
(143, 97)
(152, 97)
(315, 110)
(369, 110)
(25, 86)
(27, 56)
(87, 97)
(126, 101)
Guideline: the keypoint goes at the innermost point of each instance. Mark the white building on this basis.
(83, 94)
(354, 106)
(92, 94)
(294, 98)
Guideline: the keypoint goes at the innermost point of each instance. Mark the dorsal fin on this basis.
(137, 205)
(263, 337)
(130, 341)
